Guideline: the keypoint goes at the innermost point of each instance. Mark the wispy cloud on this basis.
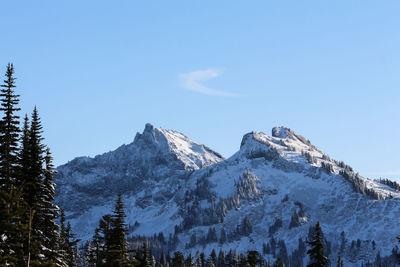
(193, 81)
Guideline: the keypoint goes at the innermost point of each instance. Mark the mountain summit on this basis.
(274, 188)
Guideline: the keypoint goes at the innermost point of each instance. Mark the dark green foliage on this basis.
(27, 211)
(221, 259)
(213, 257)
(9, 194)
(189, 262)
(12, 249)
(68, 242)
(253, 258)
(33, 188)
(178, 260)
(48, 213)
(9, 131)
(316, 251)
(109, 241)
(117, 239)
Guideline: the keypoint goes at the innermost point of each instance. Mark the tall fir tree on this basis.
(48, 213)
(68, 243)
(316, 252)
(117, 241)
(34, 184)
(11, 230)
(9, 130)
(33, 189)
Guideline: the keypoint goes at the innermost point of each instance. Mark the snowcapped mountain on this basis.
(274, 188)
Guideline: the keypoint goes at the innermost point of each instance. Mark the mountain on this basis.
(264, 197)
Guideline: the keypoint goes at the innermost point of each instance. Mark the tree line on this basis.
(29, 232)
(109, 248)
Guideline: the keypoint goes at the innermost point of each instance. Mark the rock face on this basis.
(155, 155)
(274, 188)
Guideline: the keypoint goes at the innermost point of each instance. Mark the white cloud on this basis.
(192, 81)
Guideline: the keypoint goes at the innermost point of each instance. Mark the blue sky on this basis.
(214, 70)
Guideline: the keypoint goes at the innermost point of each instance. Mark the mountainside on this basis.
(274, 188)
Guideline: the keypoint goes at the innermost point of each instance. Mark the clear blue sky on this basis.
(214, 70)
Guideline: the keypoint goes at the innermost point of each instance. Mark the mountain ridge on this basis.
(280, 182)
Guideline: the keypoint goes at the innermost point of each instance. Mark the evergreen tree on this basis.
(67, 243)
(9, 131)
(229, 261)
(221, 259)
(316, 252)
(283, 254)
(70, 245)
(33, 189)
(210, 263)
(202, 259)
(163, 259)
(189, 262)
(117, 241)
(9, 194)
(101, 240)
(89, 259)
(178, 260)
(253, 258)
(213, 257)
(48, 213)
(222, 238)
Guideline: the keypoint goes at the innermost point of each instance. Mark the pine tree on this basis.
(88, 258)
(221, 259)
(189, 262)
(9, 194)
(163, 259)
(34, 184)
(146, 256)
(33, 189)
(70, 245)
(48, 213)
(178, 260)
(316, 252)
(9, 131)
(67, 243)
(101, 240)
(213, 257)
(253, 258)
(117, 242)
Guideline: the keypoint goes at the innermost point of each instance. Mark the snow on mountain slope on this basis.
(280, 184)
(156, 159)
